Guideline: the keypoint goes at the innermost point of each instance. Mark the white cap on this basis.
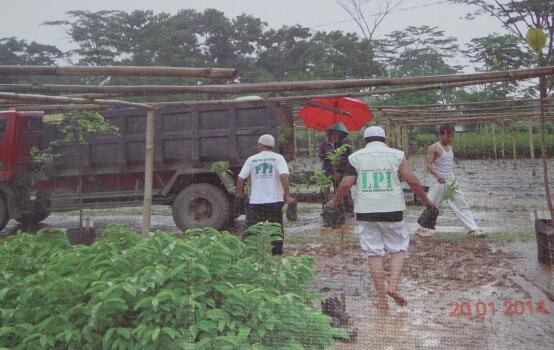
(267, 140)
(374, 131)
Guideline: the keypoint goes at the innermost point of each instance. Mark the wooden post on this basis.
(398, 141)
(531, 143)
(218, 73)
(148, 170)
(502, 137)
(310, 151)
(514, 150)
(494, 142)
(544, 110)
(406, 142)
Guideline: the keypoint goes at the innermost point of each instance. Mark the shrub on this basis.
(208, 290)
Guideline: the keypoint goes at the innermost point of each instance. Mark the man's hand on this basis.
(289, 199)
(427, 202)
(441, 179)
(332, 203)
(239, 195)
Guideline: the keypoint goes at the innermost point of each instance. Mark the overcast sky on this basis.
(23, 18)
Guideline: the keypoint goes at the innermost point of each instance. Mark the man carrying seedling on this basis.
(329, 145)
(269, 187)
(379, 206)
(440, 163)
(336, 144)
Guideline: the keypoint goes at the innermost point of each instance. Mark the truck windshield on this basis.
(2, 127)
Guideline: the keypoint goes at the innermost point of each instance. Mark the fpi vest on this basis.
(378, 188)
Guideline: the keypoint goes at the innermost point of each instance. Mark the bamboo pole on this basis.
(531, 141)
(398, 140)
(406, 141)
(542, 89)
(503, 138)
(495, 103)
(43, 98)
(436, 121)
(92, 91)
(183, 72)
(310, 151)
(320, 84)
(514, 150)
(148, 171)
(494, 142)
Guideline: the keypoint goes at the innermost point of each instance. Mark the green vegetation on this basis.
(220, 167)
(472, 145)
(208, 290)
(335, 156)
(451, 190)
(322, 181)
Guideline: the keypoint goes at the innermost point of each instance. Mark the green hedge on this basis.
(476, 146)
(208, 290)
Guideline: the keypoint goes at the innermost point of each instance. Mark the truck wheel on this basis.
(38, 214)
(201, 205)
(4, 217)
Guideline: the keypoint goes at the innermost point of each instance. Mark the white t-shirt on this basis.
(264, 169)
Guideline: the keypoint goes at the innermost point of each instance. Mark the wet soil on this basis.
(448, 273)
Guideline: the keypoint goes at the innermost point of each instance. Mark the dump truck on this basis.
(107, 171)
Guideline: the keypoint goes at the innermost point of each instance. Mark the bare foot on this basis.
(381, 305)
(399, 299)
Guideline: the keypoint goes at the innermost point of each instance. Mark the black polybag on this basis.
(333, 217)
(428, 218)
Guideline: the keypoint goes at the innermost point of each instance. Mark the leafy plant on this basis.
(336, 155)
(221, 167)
(451, 190)
(322, 181)
(207, 290)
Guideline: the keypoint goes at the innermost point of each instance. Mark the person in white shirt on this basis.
(440, 163)
(268, 174)
(379, 206)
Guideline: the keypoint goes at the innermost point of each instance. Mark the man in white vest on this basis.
(440, 163)
(268, 174)
(375, 172)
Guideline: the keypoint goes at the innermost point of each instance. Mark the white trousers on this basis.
(458, 204)
(376, 237)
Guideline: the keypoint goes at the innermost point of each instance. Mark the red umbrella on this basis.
(322, 113)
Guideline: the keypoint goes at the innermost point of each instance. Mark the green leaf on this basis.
(117, 304)
(155, 303)
(124, 332)
(6, 330)
(3, 293)
(156, 334)
(172, 333)
(107, 338)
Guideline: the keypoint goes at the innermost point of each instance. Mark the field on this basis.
(463, 293)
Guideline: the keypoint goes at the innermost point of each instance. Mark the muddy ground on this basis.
(500, 271)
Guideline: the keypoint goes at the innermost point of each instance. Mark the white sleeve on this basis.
(352, 161)
(246, 168)
(282, 166)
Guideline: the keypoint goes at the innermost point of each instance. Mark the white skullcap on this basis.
(374, 131)
(267, 140)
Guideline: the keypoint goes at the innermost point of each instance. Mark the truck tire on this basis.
(4, 217)
(201, 205)
(38, 214)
